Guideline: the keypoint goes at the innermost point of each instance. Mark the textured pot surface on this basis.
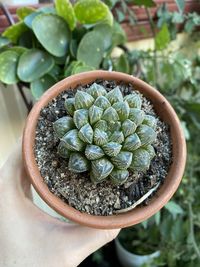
(139, 214)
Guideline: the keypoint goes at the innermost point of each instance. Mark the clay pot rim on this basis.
(141, 213)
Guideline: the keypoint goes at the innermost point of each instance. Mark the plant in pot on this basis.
(139, 245)
(98, 144)
(149, 243)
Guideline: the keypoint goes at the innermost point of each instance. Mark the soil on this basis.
(76, 189)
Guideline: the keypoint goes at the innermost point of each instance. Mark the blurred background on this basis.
(157, 41)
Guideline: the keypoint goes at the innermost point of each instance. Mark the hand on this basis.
(31, 238)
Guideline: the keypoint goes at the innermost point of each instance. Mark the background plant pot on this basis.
(163, 109)
(128, 259)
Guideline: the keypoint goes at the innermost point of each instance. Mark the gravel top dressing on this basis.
(77, 190)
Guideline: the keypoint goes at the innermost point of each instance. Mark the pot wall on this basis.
(128, 259)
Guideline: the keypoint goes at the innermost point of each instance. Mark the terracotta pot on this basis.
(139, 214)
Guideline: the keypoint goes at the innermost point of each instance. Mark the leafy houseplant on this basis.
(51, 43)
(77, 142)
(106, 130)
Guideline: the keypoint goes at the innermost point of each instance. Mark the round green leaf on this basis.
(4, 41)
(38, 87)
(29, 19)
(106, 31)
(91, 11)
(15, 31)
(53, 33)
(19, 49)
(24, 11)
(65, 9)
(33, 64)
(80, 69)
(8, 67)
(91, 49)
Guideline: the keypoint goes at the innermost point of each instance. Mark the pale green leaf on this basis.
(92, 11)
(91, 49)
(24, 11)
(38, 87)
(162, 38)
(15, 31)
(65, 10)
(33, 64)
(8, 67)
(174, 208)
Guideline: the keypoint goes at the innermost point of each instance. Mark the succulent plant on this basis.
(106, 134)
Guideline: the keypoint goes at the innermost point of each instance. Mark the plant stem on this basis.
(196, 248)
(153, 30)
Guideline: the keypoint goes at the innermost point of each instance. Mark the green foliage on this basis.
(68, 47)
(33, 64)
(92, 11)
(91, 49)
(146, 3)
(23, 12)
(162, 38)
(52, 32)
(87, 136)
(65, 10)
(38, 87)
(15, 31)
(8, 67)
(181, 5)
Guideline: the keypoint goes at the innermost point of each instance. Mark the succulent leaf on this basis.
(141, 160)
(122, 160)
(146, 134)
(102, 102)
(112, 149)
(93, 152)
(101, 125)
(100, 137)
(96, 90)
(70, 105)
(115, 95)
(78, 163)
(150, 121)
(95, 114)
(63, 125)
(128, 127)
(83, 100)
(122, 109)
(136, 115)
(101, 168)
(132, 142)
(86, 133)
(63, 151)
(80, 117)
(72, 141)
(134, 100)
(110, 114)
(117, 137)
(114, 126)
(150, 149)
(119, 176)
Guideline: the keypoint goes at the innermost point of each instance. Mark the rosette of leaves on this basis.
(106, 134)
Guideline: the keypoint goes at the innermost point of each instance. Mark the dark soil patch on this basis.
(76, 189)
